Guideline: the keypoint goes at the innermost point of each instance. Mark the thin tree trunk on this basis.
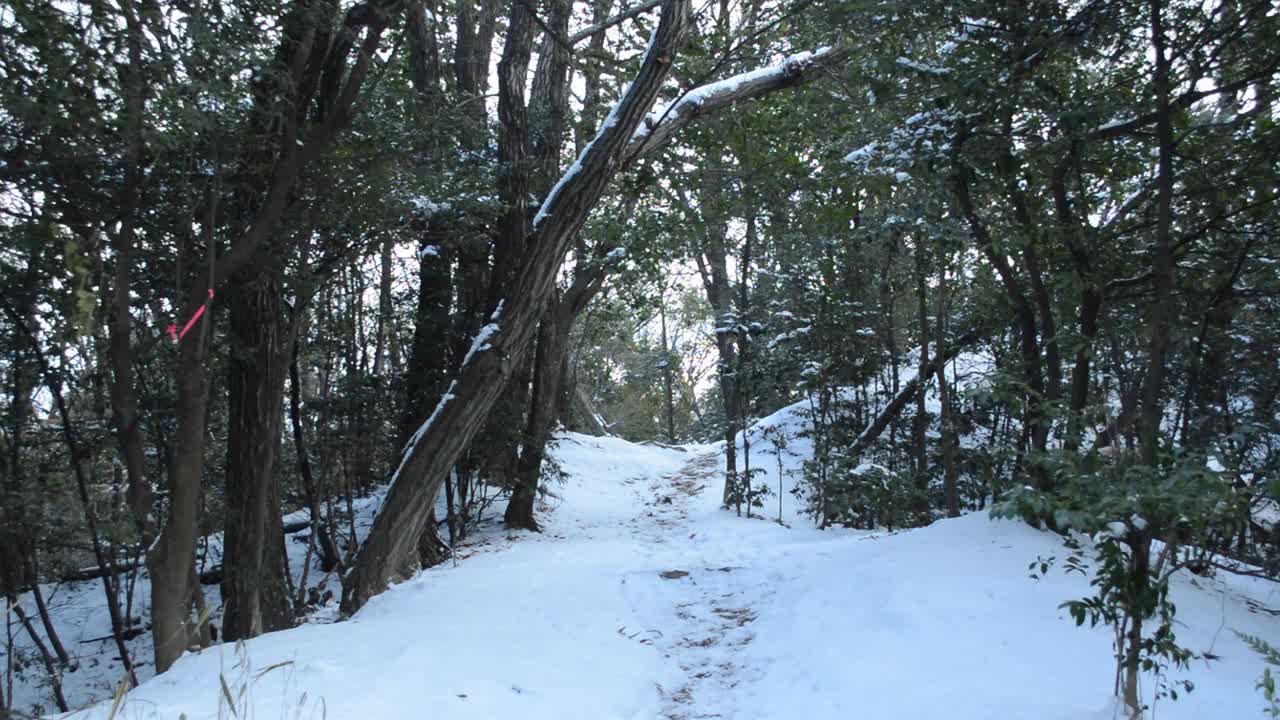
(746, 383)
(908, 393)
(1162, 261)
(1035, 418)
(1090, 306)
(79, 463)
(55, 681)
(714, 268)
(920, 422)
(329, 555)
(950, 441)
(174, 552)
(667, 381)
(43, 609)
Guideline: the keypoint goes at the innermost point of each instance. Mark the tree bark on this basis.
(253, 586)
(552, 337)
(170, 562)
(1090, 306)
(713, 267)
(668, 383)
(329, 555)
(950, 439)
(920, 422)
(549, 368)
(501, 436)
(1162, 261)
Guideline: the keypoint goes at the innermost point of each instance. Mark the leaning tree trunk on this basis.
(391, 545)
(428, 367)
(254, 596)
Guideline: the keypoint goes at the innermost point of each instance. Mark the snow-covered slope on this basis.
(752, 620)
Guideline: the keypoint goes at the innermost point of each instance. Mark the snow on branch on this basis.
(660, 125)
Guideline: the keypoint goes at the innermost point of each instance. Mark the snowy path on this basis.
(712, 601)
(643, 600)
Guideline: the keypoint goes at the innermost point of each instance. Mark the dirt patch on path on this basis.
(713, 614)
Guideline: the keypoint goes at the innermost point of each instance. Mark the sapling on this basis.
(1140, 519)
(777, 437)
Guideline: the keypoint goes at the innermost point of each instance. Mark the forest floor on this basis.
(643, 598)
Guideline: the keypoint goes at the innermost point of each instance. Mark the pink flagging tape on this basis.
(173, 329)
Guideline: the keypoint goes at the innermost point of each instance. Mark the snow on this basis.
(545, 208)
(82, 622)
(695, 97)
(428, 207)
(1115, 123)
(422, 429)
(862, 154)
(922, 67)
(481, 341)
(769, 621)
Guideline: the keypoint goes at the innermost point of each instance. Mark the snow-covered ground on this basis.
(80, 616)
(643, 599)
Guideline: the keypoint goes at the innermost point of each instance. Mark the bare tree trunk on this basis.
(253, 579)
(746, 382)
(1090, 306)
(124, 396)
(890, 330)
(501, 437)
(713, 267)
(549, 367)
(914, 387)
(51, 632)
